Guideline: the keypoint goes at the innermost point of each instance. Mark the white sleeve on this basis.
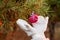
(21, 24)
(25, 26)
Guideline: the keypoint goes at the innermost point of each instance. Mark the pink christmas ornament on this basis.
(33, 18)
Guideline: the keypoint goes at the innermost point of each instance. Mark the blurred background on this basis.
(11, 10)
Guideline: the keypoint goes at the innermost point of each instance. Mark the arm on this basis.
(25, 27)
(21, 24)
